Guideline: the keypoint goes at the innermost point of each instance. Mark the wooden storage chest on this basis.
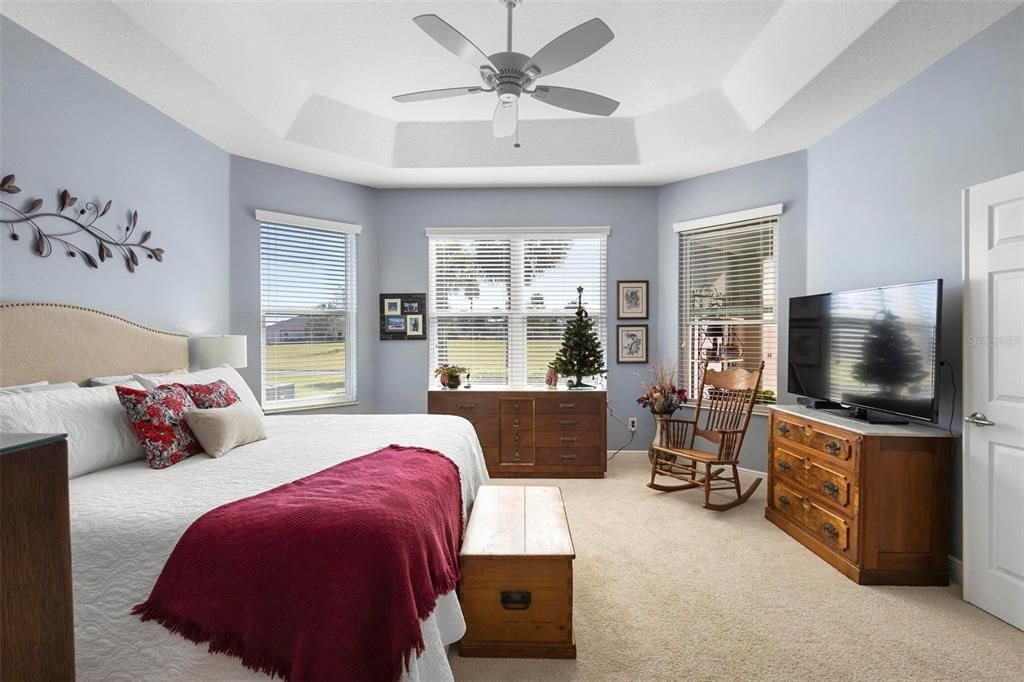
(539, 433)
(871, 500)
(516, 590)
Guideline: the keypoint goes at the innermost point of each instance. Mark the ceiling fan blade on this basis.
(576, 100)
(451, 40)
(506, 118)
(425, 95)
(571, 47)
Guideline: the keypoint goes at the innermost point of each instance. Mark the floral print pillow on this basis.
(216, 394)
(158, 418)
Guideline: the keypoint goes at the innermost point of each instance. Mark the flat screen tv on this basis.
(871, 349)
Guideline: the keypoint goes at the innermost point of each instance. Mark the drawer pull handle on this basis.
(568, 423)
(515, 406)
(516, 456)
(784, 500)
(831, 488)
(784, 465)
(515, 424)
(832, 447)
(518, 600)
(567, 439)
(467, 406)
(567, 406)
(830, 530)
(516, 437)
(567, 458)
(783, 429)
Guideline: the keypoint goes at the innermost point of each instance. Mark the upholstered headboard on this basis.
(56, 342)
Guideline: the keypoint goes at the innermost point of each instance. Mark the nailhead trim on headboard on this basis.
(32, 304)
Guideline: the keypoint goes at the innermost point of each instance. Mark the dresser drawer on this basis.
(517, 454)
(517, 421)
(836, 444)
(567, 422)
(592, 456)
(829, 528)
(461, 404)
(516, 438)
(568, 439)
(812, 474)
(570, 404)
(517, 406)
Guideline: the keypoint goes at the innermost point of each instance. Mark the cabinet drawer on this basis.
(513, 406)
(567, 422)
(838, 445)
(517, 421)
(515, 438)
(517, 454)
(461, 404)
(570, 404)
(814, 475)
(830, 529)
(486, 428)
(569, 456)
(571, 439)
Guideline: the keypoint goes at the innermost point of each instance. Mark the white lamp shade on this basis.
(214, 351)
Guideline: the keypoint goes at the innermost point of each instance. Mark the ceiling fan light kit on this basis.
(510, 74)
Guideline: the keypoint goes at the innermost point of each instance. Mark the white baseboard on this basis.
(956, 570)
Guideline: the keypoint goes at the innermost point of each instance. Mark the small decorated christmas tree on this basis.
(891, 359)
(581, 354)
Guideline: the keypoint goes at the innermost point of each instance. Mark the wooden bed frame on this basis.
(56, 342)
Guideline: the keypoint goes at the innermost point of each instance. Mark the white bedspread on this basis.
(125, 521)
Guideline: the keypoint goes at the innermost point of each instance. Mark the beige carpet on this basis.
(666, 590)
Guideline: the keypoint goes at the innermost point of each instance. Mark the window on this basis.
(308, 295)
(499, 300)
(727, 301)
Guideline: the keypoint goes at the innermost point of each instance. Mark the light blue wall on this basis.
(257, 185)
(885, 189)
(402, 216)
(64, 126)
(782, 179)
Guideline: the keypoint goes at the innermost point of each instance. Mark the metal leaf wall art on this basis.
(70, 220)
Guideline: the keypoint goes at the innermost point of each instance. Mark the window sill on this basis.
(283, 409)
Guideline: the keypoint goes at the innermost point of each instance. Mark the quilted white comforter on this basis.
(126, 520)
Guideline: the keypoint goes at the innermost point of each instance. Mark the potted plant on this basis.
(449, 374)
(662, 397)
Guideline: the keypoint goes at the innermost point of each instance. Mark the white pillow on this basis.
(123, 378)
(36, 387)
(206, 376)
(99, 433)
(219, 429)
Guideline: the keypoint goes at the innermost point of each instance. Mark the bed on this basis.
(125, 520)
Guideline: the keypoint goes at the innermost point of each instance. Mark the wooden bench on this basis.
(516, 590)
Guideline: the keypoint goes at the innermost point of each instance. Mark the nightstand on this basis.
(37, 634)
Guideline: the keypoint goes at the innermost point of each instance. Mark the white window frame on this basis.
(725, 221)
(350, 397)
(517, 376)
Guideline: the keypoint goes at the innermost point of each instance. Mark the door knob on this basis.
(979, 419)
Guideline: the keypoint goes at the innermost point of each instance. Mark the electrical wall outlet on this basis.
(632, 423)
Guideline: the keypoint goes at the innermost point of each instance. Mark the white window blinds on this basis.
(499, 302)
(308, 293)
(727, 301)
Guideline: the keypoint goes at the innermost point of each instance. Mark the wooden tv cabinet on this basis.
(871, 500)
(533, 433)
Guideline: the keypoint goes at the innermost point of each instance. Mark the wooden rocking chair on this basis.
(727, 398)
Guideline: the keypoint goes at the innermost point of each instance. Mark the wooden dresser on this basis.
(542, 433)
(37, 633)
(871, 500)
(516, 590)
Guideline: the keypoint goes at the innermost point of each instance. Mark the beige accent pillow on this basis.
(219, 429)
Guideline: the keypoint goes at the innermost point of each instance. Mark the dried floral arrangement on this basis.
(660, 394)
(76, 219)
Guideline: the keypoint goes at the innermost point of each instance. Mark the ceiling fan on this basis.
(512, 74)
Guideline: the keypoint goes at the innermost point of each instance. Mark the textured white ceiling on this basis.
(703, 85)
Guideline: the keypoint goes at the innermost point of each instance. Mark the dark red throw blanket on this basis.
(323, 578)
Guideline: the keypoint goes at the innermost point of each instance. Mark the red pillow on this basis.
(212, 395)
(158, 417)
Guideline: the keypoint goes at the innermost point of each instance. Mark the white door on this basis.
(994, 397)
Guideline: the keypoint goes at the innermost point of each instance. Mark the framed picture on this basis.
(403, 317)
(632, 342)
(633, 299)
